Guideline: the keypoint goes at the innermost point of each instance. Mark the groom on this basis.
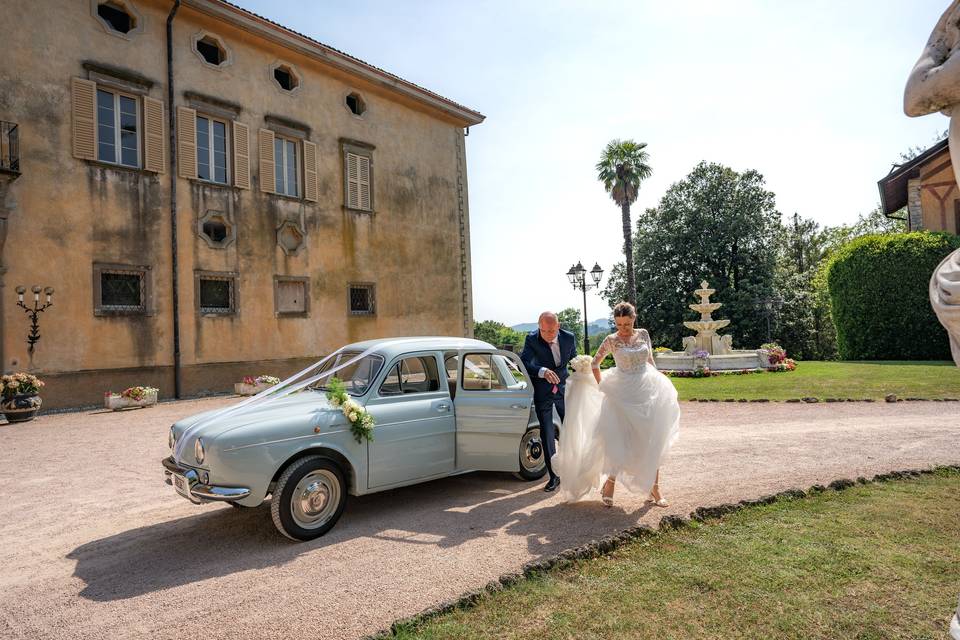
(545, 355)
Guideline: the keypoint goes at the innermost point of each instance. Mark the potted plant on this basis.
(21, 399)
(252, 386)
(131, 397)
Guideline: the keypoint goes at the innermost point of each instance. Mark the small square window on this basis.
(216, 293)
(291, 295)
(120, 290)
(362, 299)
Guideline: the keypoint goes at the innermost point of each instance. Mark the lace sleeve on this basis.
(601, 352)
(645, 336)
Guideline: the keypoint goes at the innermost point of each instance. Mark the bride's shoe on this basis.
(657, 499)
(607, 499)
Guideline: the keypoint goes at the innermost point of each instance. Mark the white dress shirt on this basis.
(555, 349)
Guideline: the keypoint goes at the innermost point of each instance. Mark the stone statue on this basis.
(934, 85)
(689, 344)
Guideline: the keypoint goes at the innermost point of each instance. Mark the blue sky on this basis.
(808, 92)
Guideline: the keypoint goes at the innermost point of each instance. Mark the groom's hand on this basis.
(551, 377)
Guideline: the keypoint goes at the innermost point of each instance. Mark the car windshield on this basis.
(356, 376)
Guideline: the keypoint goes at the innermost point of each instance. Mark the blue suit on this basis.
(536, 354)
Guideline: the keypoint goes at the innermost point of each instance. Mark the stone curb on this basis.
(610, 543)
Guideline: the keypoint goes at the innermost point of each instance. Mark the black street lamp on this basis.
(34, 336)
(771, 306)
(577, 276)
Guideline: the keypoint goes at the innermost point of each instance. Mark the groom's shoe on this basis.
(553, 484)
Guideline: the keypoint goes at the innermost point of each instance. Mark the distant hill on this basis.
(595, 327)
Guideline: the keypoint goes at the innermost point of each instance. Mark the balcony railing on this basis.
(9, 147)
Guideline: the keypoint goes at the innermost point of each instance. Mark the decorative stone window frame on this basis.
(366, 105)
(277, 280)
(209, 216)
(370, 286)
(364, 150)
(289, 224)
(146, 289)
(106, 26)
(227, 51)
(293, 71)
(232, 276)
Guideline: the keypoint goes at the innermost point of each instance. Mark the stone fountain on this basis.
(708, 348)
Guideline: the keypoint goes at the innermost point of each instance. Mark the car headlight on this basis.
(171, 438)
(198, 450)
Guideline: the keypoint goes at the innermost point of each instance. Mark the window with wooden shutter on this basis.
(363, 182)
(153, 138)
(310, 171)
(241, 155)
(357, 175)
(267, 177)
(84, 109)
(187, 143)
(353, 181)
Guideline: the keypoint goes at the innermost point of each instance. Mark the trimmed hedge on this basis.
(879, 294)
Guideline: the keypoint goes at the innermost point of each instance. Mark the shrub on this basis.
(879, 296)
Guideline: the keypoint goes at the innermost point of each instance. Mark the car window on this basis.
(357, 376)
(416, 374)
(486, 372)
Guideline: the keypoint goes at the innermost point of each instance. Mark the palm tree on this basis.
(622, 167)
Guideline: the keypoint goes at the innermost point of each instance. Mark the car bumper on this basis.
(187, 483)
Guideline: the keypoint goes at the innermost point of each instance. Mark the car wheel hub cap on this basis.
(531, 451)
(315, 499)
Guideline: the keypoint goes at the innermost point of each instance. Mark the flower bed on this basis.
(130, 397)
(251, 386)
(705, 372)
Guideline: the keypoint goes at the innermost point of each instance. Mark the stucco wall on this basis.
(66, 214)
(938, 182)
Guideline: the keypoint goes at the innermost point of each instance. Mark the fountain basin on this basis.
(736, 359)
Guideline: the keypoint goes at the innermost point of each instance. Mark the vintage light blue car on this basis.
(442, 406)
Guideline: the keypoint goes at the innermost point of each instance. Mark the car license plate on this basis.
(182, 485)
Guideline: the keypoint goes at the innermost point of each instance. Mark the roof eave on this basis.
(278, 34)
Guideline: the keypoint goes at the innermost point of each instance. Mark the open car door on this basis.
(492, 406)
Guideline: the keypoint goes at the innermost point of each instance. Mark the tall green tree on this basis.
(571, 320)
(716, 225)
(623, 166)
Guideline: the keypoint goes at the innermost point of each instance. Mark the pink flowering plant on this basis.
(133, 393)
(777, 353)
(20, 384)
(268, 380)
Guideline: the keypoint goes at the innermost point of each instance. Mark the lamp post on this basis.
(34, 336)
(577, 276)
(770, 307)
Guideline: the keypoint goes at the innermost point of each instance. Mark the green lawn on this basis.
(875, 561)
(832, 380)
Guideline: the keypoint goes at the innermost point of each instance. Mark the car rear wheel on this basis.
(533, 464)
(309, 498)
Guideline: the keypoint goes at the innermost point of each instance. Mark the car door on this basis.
(493, 410)
(414, 435)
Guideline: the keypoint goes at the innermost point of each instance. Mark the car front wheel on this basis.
(309, 498)
(533, 464)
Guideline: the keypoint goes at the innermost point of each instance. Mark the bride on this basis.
(621, 425)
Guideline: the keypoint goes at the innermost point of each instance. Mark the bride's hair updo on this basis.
(624, 310)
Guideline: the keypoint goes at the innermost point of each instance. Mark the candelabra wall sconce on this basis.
(34, 336)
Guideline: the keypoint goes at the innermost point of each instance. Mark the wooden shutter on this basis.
(268, 179)
(353, 185)
(363, 180)
(241, 155)
(310, 171)
(84, 111)
(153, 147)
(187, 143)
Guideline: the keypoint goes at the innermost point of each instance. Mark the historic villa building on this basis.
(212, 195)
(926, 186)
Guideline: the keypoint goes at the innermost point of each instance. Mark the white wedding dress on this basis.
(622, 427)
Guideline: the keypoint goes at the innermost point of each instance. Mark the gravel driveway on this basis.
(94, 545)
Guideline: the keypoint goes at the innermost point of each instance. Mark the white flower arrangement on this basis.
(361, 422)
(582, 364)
